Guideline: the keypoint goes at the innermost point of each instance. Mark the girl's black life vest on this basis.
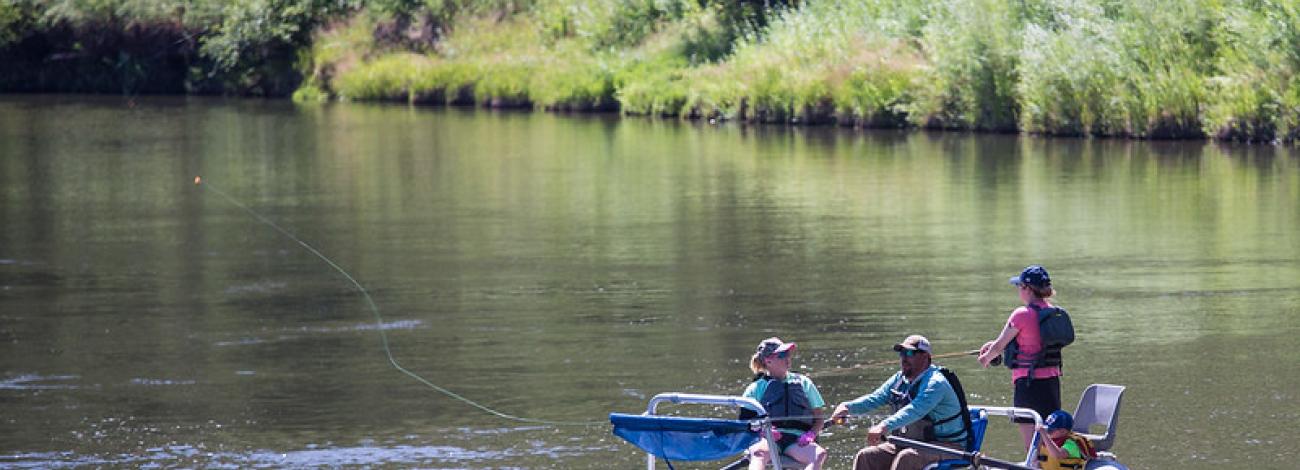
(1056, 331)
(784, 398)
(902, 394)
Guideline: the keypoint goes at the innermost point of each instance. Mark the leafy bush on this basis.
(1253, 96)
(391, 77)
(973, 49)
(15, 21)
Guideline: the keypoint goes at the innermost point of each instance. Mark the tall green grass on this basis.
(1255, 94)
(826, 61)
(973, 50)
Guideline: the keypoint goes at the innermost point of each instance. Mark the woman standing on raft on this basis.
(1037, 379)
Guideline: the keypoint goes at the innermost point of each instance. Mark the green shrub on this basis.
(973, 49)
(310, 94)
(15, 22)
(1253, 95)
(391, 77)
(1072, 77)
(575, 83)
(874, 94)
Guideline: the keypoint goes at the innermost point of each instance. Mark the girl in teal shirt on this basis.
(786, 394)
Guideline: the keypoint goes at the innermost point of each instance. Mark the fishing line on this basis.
(890, 362)
(379, 320)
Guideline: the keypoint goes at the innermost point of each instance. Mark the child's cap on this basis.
(772, 346)
(1059, 419)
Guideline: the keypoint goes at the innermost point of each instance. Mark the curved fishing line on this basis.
(379, 320)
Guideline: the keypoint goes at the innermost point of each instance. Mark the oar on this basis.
(737, 465)
(891, 362)
(975, 458)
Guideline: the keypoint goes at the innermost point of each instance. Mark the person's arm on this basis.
(926, 400)
(1052, 449)
(815, 399)
(865, 403)
(992, 349)
(816, 402)
(1072, 449)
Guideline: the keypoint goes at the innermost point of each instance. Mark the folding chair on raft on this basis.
(979, 422)
(676, 438)
(1099, 405)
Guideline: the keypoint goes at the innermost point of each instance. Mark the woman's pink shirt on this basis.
(1031, 342)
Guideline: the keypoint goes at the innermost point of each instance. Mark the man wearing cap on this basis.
(921, 397)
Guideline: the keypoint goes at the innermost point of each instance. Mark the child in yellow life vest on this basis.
(1061, 448)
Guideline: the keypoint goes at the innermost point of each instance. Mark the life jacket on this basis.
(1047, 462)
(786, 398)
(1056, 331)
(902, 394)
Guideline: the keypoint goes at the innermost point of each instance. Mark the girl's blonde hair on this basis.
(756, 364)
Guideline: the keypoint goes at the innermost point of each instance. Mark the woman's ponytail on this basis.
(756, 364)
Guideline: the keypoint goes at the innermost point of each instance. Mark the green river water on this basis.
(562, 267)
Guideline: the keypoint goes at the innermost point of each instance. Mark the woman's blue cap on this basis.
(1034, 275)
(1059, 419)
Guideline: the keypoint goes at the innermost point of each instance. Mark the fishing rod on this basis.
(890, 362)
(379, 321)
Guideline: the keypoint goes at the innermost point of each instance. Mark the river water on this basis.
(559, 268)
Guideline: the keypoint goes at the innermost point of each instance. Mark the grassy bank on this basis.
(1145, 69)
(1223, 69)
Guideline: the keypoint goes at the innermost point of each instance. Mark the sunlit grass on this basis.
(1145, 68)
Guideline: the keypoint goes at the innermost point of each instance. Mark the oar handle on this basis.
(837, 421)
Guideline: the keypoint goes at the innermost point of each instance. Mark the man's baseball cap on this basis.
(914, 343)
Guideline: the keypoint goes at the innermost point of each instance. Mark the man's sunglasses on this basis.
(909, 352)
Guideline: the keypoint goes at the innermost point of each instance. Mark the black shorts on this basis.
(1041, 395)
(784, 441)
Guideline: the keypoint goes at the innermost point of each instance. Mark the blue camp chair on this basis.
(675, 438)
(678, 438)
(979, 421)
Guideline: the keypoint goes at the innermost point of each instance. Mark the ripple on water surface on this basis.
(37, 382)
(186, 455)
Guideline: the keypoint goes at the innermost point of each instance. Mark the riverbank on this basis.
(1142, 69)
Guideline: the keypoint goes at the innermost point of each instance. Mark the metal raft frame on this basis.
(765, 424)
